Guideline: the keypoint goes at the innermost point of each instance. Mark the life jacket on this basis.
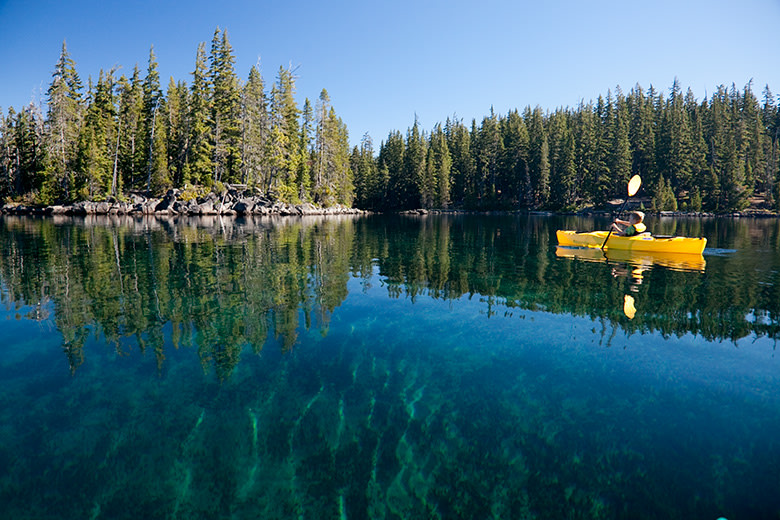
(635, 229)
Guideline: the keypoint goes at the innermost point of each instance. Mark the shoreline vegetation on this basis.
(126, 144)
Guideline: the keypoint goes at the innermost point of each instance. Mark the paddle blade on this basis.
(633, 185)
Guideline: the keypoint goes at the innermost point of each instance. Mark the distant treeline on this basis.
(125, 134)
(712, 155)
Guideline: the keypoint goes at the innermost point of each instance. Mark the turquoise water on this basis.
(384, 367)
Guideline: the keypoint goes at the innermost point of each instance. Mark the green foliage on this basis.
(127, 134)
(695, 203)
(190, 192)
(664, 198)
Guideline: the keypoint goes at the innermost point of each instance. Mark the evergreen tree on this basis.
(338, 184)
(130, 155)
(751, 132)
(463, 166)
(64, 118)
(771, 119)
(601, 185)
(321, 150)
(96, 143)
(663, 196)
(7, 162)
(225, 110)
(516, 185)
(178, 127)
(585, 145)
(22, 152)
(563, 190)
(254, 130)
(488, 151)
(539, 157)
(154, 136)
(284, 152)
(391, 164)
(200, 166)
(620, 157)
(724, 159)
(675, 142)
(438, 169)
(641, 135)
(414, 166)
(370, 187)
(304, 177)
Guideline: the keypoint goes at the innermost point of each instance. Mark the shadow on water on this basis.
(384, 367)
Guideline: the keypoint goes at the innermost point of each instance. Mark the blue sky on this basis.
(384, 62)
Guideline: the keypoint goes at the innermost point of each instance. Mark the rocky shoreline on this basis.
(236, 202)
(232, 202)
(589, 212)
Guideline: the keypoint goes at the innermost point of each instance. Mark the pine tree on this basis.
(539, 157)
(675, 142)
(64, 121)
(641, 135)
(178, 127)
(341, 174)
(154, 136)
(200, 166)
(751, 129)
(130, 156)
(22, 152)
(439, 166)
(7, 162)
(414, 166)
(391, 164)
(305, 165)
(225, 110)
(771, 118)
(254, 130)
(601, 184)
(620, 159)
(284, 152)
(321, 145)
(369, 185)
(517, 183)
(463, 167)
(563, 191)
(489, 149)
(585, 146)
(94, 164)
(724, 159)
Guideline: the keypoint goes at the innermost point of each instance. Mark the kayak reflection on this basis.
(631, 265)
(642, 259)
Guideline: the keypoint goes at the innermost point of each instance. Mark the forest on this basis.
(121, 135)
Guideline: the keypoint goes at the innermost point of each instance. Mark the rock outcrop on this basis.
(231, 202)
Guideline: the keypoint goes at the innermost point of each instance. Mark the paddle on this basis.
(633, 187)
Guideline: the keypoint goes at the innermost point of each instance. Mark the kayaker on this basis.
(633, 226)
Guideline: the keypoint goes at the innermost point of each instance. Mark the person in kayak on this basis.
(633, 226)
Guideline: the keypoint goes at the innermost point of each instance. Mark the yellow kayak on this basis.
(676, 261)
(643, 242)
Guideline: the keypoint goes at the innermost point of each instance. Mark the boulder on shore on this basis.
(231, 202)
